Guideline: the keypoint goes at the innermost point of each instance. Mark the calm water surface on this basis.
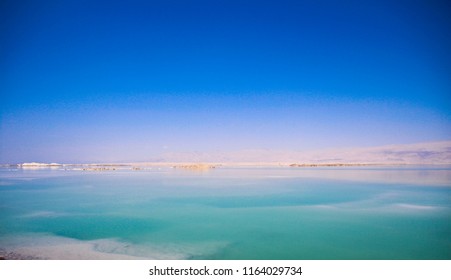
(228, 213)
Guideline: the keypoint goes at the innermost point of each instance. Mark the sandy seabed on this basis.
(60, 248)
(50, 247)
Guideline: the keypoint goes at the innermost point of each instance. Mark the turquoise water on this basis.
(228, 213)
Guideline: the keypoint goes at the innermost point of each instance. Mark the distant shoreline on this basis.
(200, 165)
(428, 153)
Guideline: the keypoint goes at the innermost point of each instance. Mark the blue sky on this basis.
(85, 81)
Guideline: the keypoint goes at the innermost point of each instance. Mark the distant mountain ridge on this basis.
(419, 153)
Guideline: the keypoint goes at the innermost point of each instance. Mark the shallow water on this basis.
(228, 213)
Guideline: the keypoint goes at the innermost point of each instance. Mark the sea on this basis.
(227, 213)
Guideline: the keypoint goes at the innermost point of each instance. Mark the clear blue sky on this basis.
(85, 81)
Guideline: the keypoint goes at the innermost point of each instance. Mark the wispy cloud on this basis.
(420, 153)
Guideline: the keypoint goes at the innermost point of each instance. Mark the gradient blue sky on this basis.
(85, 81)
